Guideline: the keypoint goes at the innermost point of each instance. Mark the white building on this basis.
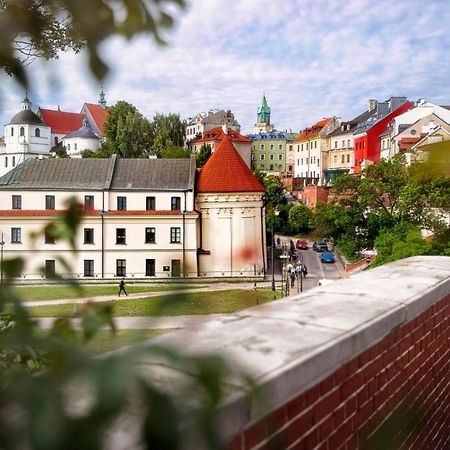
(26, 136)
(203, 122)
(141, 218)
(310, 149)
(398, 128)
(78, 141)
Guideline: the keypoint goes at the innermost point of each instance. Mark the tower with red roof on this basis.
(232, 230)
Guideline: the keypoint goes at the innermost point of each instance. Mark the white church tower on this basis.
(232, 230)
(26, 136)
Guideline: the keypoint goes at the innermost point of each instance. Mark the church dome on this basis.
(26, 117)
(84, 132)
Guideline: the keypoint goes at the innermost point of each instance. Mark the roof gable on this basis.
(226, 171)
(217, 134)
(313, 131)
(61, 122)
(98, 115)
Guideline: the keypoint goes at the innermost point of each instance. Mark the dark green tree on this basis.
(127, 132)
(175, 152)
(300, 218)
(168, 131)
(203, 154)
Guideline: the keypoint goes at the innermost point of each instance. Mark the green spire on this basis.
(102, 101)
(263, 112)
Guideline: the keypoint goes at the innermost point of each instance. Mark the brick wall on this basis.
(397, 392)
(363, 359)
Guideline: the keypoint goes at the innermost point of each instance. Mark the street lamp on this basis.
(2, 243)
(275, 212)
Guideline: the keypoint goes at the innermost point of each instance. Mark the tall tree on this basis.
(168, 131)
(127, 132)
(203, 154)
(31, 29)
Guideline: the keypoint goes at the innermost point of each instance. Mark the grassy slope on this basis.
(211, 302)
(31, 293)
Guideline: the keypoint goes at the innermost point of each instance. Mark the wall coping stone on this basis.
(292, 344)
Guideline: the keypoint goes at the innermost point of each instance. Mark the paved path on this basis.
(127, 323)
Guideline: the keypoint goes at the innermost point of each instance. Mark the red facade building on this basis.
(367, 136)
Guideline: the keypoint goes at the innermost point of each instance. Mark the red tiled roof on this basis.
(313, 131)
(226, 171)
(61, 121)
(407, 142)
(90, 212)
(217, 134)
(98, 114)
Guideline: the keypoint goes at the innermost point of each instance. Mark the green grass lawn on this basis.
(211, 302)
(34, 293)
(105, 341)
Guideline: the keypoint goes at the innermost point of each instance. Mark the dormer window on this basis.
(22, 131)
(37, 132)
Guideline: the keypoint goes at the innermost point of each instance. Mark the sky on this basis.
(311, 58)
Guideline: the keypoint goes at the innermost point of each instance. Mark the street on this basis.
(316, 269)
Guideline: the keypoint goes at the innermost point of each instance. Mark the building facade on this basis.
(203, 122)
(367, 134)
(310, 148)
(140, 218)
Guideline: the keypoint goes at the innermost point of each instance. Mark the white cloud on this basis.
(312, 59)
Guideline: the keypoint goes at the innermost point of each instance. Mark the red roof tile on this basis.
(313, 131)
(217, 134)
(407, 142)
(61, 121)
(98, 114)
(226, 171)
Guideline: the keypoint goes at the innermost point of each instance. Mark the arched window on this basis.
(37, 132)
(56, 140)
(22, 131)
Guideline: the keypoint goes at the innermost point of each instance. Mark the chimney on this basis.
(225, 128)
(372, 104)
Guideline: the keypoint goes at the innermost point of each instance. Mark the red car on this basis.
(302, 244)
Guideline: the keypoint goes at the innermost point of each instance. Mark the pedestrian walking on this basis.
(293, 277)
(304, 270)
(122, 288)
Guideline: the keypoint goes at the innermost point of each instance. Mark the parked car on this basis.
(327, 257)
(301, 244)
(320, 247)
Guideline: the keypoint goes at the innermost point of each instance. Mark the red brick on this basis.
(327, 385)
(339, 415)
(340, 375)
(299, 427)
(277, 419)
(235, 444)
(350, 407)
(363, 414)
(326, 428)
(312, 395)
(312, 439)
(364, 358)
(327, 405)
(255, 434)
(352, 385)
(363, 396)
(373, 369)
(340, 436)
(295, 406)
(390, 355)
(373, 387)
